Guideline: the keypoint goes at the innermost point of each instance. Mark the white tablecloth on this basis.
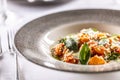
(31, 71)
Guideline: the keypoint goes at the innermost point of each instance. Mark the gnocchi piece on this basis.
(96, 60)
(69, 58)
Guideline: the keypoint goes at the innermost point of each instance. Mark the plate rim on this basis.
(60, 61)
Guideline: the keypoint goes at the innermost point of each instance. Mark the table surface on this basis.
(30, 71)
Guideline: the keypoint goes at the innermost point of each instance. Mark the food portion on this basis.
(88, 47)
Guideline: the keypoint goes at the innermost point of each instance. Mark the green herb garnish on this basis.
(71, 44)
(113, 56)
(63, 40)
(84, 54)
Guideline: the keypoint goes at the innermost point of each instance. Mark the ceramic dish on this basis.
(34, 39)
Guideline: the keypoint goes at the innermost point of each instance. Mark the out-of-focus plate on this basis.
(34, 39)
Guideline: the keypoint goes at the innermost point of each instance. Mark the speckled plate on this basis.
(35, 38)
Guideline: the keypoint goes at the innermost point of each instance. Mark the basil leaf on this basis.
(71, 44)
(84, 54)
